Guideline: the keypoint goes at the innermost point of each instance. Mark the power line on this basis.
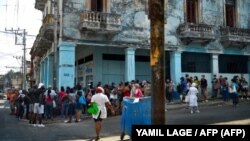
(6, 54)
(23, 33)
(15, 34)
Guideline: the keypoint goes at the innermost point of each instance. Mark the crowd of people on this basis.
(40, 103)
(191, 90)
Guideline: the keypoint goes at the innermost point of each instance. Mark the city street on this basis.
(12, 129)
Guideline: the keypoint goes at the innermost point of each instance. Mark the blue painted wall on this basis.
(66, 64)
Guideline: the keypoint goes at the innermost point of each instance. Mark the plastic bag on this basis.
(93, 109)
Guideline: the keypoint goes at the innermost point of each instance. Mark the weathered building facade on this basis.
(109, 40)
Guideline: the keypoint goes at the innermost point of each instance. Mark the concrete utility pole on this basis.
(23, 33)
(157, 60)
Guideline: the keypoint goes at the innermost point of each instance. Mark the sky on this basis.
(17, 14)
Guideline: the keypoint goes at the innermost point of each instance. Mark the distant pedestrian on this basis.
(233, 89)
(203, 85)
(39, 105)
(193, 100)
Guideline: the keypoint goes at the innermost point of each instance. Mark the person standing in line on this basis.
(244, 89)
(216, 87)
(102, 101)
(137, 92)
(60, 95)
(234, 91)
(224, 89)
(203, 85)
(39, 105)
(72, 105)
(31, 96)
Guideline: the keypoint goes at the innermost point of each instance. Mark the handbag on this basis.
(232, 90)
(187, 98)
(54, 104)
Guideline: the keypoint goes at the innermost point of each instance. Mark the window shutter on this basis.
(94, 5)
(191, 11)
(230, 15)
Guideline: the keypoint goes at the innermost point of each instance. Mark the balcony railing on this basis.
(235, 31)
(98, 21)
(47, 29)
(199, 33)
(231, 36)
(40, 46)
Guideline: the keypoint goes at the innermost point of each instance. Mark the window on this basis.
(192, 11)
(98, 5)
(230, 13)
(191, 67)
(114, 57)
(233, 64)
(194, 62)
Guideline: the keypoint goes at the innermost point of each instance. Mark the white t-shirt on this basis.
(100, 100)
(53, 93)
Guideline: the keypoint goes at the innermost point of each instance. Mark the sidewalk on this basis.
(178, 105)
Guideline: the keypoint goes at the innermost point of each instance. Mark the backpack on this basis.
(179, 88)
(82, 100)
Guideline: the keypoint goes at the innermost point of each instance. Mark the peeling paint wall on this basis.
(71, 18)
(135, 26)
(134, 20)
(213, 12)
(175, 16)
(244, 16)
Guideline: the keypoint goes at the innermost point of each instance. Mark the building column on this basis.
(42, 72)
(50, 70)
(215, 64)
(175, 66)
(248, 70)
(66, 64)
(129, 64)
(97, 66)
(46, 70)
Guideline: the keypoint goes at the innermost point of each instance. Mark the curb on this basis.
(178, 105)
(200, 104)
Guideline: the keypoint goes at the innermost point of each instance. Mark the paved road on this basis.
(12, 130)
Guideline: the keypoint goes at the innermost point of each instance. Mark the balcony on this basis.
(40, 46)
(47, 29)
(99, 22)
(235, 37)
(40, 4)
(196, 33)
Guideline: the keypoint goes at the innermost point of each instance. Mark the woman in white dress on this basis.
(102, 101)
(193, 100)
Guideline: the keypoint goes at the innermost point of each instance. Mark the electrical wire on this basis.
(6, 54)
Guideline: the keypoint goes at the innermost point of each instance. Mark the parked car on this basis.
(1, 94)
